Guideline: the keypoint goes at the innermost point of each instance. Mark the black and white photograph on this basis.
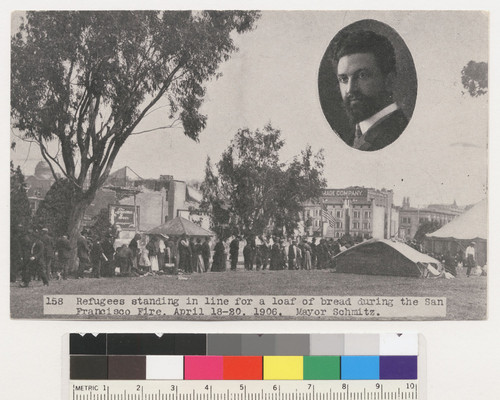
(249, 165)
(367, 88)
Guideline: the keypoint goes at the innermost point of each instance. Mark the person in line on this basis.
(184, 250)
(153, 249)
(275, 261)
(48, 242)
(470, 257)
(205, 252)
(306, 256)
(173, 254)
(284, 254)
(134, 246)
(161, 253)
(314, 253)
(124, 260)
(293, 255)
(257, 246)
(108, 255)
(198, 248)
(219, 258)
(63, 248)
(265, 250)
(96, 258)
(248, 255)
(36, 264)
(234, 249)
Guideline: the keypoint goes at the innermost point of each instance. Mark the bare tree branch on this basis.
(171, 126)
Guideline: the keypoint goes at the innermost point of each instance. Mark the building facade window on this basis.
(355, 225)
(339, 214)
(357, 214)
(368, 214)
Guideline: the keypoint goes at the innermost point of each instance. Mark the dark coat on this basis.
(205, 252)
(38, 251)
(384, 132)
(219, 260)
(83, 248)
(48, 242)
(63, 249)
(234, 248)
(134, 246)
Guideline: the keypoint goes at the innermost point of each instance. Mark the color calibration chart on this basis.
(246, 367)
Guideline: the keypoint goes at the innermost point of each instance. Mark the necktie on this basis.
(358, 137)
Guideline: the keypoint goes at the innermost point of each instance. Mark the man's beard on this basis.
(360, 107)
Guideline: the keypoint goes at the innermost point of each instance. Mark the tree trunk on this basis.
(79, 206)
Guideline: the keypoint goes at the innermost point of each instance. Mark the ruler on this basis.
(245, 390)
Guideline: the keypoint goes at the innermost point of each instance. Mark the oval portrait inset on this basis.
(367, 85)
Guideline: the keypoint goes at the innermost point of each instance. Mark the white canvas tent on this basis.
(455, 236)
(385, 257)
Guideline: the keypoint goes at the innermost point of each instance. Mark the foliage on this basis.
(303, 180)
(54, 210)
(475, 78)
(82, 81)
(425, 228)
(254, 191)
(20, 212)
(213, 202)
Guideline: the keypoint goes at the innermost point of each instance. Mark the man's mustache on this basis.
(349, 98)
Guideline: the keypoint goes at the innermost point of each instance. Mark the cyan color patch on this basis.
(359, 367)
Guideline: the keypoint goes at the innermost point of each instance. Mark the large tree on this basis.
(254, 191)
(81, 82)
(475, 78)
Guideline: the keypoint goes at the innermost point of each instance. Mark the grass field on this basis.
(466, 297)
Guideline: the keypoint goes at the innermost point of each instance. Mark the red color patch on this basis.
(242, 368)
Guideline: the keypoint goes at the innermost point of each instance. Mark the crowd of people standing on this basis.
(35, 254)
(275, 254)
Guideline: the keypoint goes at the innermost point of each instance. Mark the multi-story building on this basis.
(357, 211)
(410, 218)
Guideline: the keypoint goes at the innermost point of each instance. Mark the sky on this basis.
(441, 157)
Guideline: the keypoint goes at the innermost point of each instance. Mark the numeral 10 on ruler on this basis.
(245, 390)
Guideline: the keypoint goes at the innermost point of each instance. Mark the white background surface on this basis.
(463, 358)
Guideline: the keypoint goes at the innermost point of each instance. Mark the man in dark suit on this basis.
(293, 255)
(366, 71)
(205, 253)
(234, 248)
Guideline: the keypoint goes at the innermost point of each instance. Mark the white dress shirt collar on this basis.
(369, 122)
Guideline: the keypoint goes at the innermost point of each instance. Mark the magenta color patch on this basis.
(203, 367)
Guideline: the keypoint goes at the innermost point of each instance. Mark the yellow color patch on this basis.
(283, 367)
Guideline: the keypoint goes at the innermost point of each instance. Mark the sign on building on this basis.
(346, 193)
(124, 216)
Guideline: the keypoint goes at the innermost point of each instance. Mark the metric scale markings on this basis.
(245, 390)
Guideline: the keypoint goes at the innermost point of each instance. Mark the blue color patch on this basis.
(359, 367)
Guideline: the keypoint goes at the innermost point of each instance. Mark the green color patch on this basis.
(321, 367)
